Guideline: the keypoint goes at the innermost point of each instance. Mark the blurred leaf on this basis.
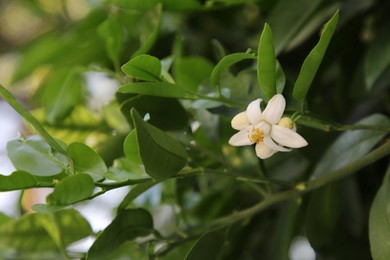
(130, 147)
(377, 58)
(208, 247)
(46, 208)
(159, 89)
(71, 189)
(286, 19)
(379, 221)
(351, 146)
(4, 218)
(143, 67)
(114, 118)
(227, 62)
(167, 4)
(280, 78)
(313, 60)
(134, 193)
(128, 225)
(36, 157)
(191, 72)
(86, 160)
(63, 91)
(266, 63)
(28, 234)
(111, 31)
(17, 180)
(161, 155)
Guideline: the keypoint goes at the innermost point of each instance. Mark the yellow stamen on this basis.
(256, 136)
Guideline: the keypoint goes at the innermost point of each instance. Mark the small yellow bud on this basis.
(286, 122)
(56, 181)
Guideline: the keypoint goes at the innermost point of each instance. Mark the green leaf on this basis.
(161, 155)
(280, 78)
(266, 63)
(287, 18)
(313, 60)
(159, 89)
(45, 208)
(143, 67)
(377, 58)
(111, 31)
(17, 180)
(86, 160)
(130, 147)
(227, 62)
(379, 222)
(134, 193)
(36, 157)
(128, 225)
(208, 247)
(351, 146)
(71, 189)
(168, 4)
(29, 234)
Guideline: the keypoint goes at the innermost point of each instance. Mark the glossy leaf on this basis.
(143, 67)
(313, 60)
(29, 234)
(379, 222)
(36, 157)
(128, 225)
(208, 247)
(17, 180)
(226, 62)
(161, 155)
(351, 146)
(71, 189)
(266, 63)
(158, 89)
(86, 160)
(111, 31)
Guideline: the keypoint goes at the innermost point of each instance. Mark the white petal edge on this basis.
(253, 112)
(275, 108)
(272, 145)
(241, 138)
(240, 121)
(287, 137)
(263, 151)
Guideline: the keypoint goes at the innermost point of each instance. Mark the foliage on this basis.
(180, 71)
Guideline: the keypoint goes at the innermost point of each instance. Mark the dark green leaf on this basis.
(159, 89)
(227, 62)
(351, 146)
(313, 60)
(266, 63)
(17, 180)
(111, 31)
(161, 155)
(128, 225)
(134, 193)
(86, 160)
(143, 67)
(379, 222)
(34, 156)
(71, 190)
(208, 247)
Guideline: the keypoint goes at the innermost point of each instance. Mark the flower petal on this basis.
(240, 121)
(275, 108)
(263, 151)
(241, 138)
(271, 144)
(253, 112)
(287, 137)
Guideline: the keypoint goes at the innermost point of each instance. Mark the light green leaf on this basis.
(17, 180)
(143, 67)
(377, 58)
(86, 160)
(134, 193)
(45, 208)
(351, 146)
(111, 31)
(161, 155)
(71, 189)
(36, 157)
(208, 247)
(130, 147)
(313, 60)
(280, 78)
(168, 4)
(159, 89)
(128, 225)
(227, 62)
(266, 63)
(379, 222)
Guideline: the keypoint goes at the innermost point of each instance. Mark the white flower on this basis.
(267, 129)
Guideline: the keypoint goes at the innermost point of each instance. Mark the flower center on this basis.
(256, 135)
